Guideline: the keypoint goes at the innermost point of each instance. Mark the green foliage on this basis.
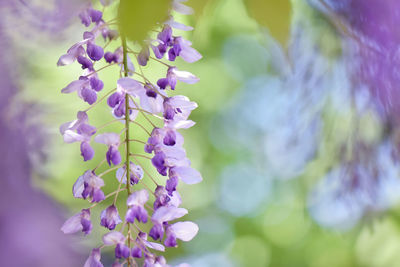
(138, 17)
(275, 15)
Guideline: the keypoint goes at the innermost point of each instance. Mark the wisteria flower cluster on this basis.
(135, 95)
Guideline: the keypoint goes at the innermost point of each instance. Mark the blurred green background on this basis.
(248, 215)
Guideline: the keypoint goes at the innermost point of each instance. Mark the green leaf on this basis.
(138, 17)
(273, 14)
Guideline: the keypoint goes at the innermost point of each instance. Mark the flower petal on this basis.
(71, 137)
(185, 76)
(74, 86)
(107, 139)
(67, 126)
(182, 102)
(182, 124)
(113, 238)
(94, 259)
(66, 59)
(153, 245)
(72, 225)
(177, 25)
(130, 86)
(188, 53)
(138, 198)
(187, 174)
(121, 175)
(166, 214)
(185, 231)
(175, 199)
(78, 187)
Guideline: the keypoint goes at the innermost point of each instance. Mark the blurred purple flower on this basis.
(44, 246)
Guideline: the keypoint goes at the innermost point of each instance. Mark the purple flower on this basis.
(87, 151)
(95, 52)
(110, 217)
(171, 184)
(88, 95)
(94, 259)
(74, 52)
(85, 17)
(91, 186)
(112, 141)
(167, 143)
(150, 100)
(130, 86)
(110, 34)
(89, 36)
(173, 155)
(85, 62)
(113, 238)
(168, 156)
(113, 156)
(163, 137)
(154, 140)
(173, 74)
(84, 88)
(184, 231)
(137, 252)
(122, 251)
(75, 86)
(159, 50)
(155, 261)
(165, 36)
(185, 173)
(174, 52)
(143, 244)
(136, 174)
(110, 57)
(151, 142)
(159, 162)
(88, 185)
(177, 110)
(79, 131)
(78, 222)
(163, 215)
(90, 15)
(187, 53)
(119, 55)
(119, 110)
(170, 138)
(136, 209)
(96, 84)
(69, 129)
(95, 15)
(163, 199)
(117, 239)
(144, 55)
(165, 40)
(115, 99)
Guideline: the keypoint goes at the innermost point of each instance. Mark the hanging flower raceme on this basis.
(138, 107)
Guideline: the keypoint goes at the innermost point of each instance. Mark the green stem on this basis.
(127, 163)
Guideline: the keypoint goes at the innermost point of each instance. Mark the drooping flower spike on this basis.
(134, 95)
